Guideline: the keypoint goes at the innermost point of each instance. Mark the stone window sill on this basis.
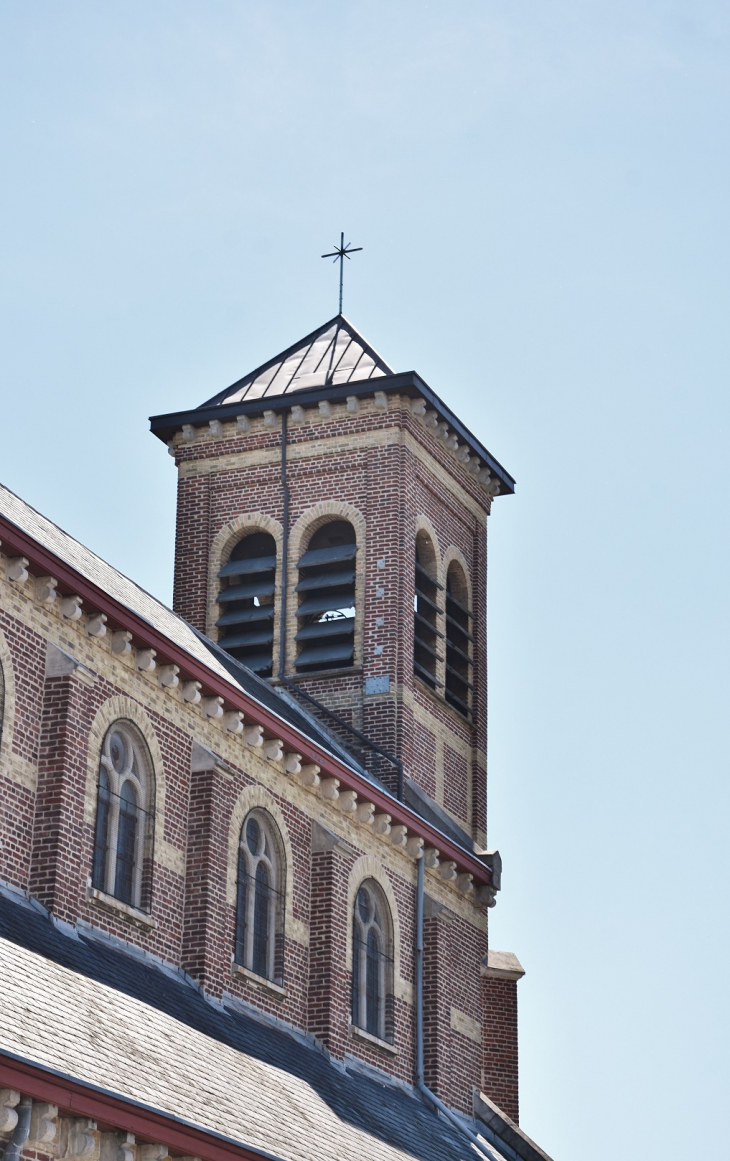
(260, 981)
(383, 1045)
(109, 903)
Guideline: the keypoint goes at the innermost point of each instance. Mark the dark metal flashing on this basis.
(404, 383)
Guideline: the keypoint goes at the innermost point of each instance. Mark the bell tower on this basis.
(332, 537)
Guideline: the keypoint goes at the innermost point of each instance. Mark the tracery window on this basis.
(260, 897)
(459, 640)
(326, 591)
(246, 601)
(372, 962)
(426, 611)
(123, 834)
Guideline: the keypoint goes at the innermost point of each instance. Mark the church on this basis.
(245, 877)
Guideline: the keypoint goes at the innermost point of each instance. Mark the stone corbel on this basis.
(146, 660)
(188, 433)
(153, 1153)
(233, 721)
(273, 749)
(474, 466)
(45, 589)
(353, 404)
(9, 1098)
(191, 692)
(243, 423)
(43, 1127)
(71, 608)
(17, 569)
(431, 858)
(398, 835)
(292, 763)
(381, 401)
(448, 871)
(309, 776)
(96, 625)
(329, 788)
(462, 453)
(431, 419)
(347, 801)
(117, 1147)
(465, 883)
(79, 1139)
(270, 419)
(418, 407)
(325, 408)
(364, 813)
(213, 707)
(216, 428)
(414, 846)
(168, 676)
(485, 896)
(298, 414)
(381, 824)
(253, 736)
(122, 643)
(441, 431)
(452, 441)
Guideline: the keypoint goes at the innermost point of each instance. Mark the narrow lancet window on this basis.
(326, 592)
(426, 611)
(122, 862)
(246, 602)
(459, 641)
(260, 898)
(372, 962)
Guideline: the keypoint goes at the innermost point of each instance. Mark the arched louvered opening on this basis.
(426, 610)
(326, 593)
(458, 640)
(246, 602)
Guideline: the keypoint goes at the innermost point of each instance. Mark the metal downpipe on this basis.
(438, 1105)
(20, 1132)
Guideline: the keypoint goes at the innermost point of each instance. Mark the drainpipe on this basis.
(20, 1132)
(430, 1097)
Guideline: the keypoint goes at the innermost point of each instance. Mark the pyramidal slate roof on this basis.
(333, 354)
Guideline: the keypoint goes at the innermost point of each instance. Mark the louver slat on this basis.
(324, 653)
(452, 648)
(457, 703)
(432, 604)
(427, 577)
(456, 626)
(456, 676)
(424, 675)
(339, 628)
(327, 555)
(242, 616)
(325, 603)
(252, 637)
(259, 664)
(262, 588)
(427, 626)
(451, 600)
(421, 644)
(240, 567)
(325, 580)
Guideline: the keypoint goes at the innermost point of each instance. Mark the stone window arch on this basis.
(326, 598)
(260, 898)
(372, 961)
(246, 601)
(124, 824)
(459, 639)
(427, 611)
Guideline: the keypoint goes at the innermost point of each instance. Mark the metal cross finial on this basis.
(341, 252)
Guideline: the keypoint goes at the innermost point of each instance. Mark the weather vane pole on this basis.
(341, 252)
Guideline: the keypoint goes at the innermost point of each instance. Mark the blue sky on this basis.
(541, 192)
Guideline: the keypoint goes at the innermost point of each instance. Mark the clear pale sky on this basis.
(541, 191)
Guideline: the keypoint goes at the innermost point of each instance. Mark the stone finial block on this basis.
(364, 813)
(254, 736)
(297, 414)
(381, 824)
(309, 776)
(17, 569)
(146, 660)
(9, 1098)
(243, 423)
(381, 401)
(353, 404)
(213, 707)
(191, 692)
(273, 749)
(96, 625)
(45, 589)
(293, 763)
(71, 608)
(418, 407)
(465, 883)
(329, 788)
(447, 871)
(414, 846)
(216, 428)
(122, 643)
(398, 835)
(168, 676)
(233, 721)
(325, 408)
(431, 858)
(43, 1127)
(347, 801)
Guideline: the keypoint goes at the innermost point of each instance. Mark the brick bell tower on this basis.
(332, 536)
